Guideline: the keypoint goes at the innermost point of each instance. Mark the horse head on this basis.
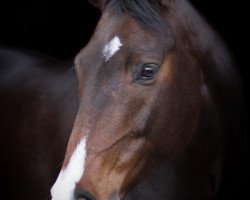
(139, 101)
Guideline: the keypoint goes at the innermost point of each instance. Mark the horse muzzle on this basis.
(81, 194)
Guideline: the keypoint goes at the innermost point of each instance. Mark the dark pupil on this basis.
(148, 72)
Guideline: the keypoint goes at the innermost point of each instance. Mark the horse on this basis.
(154, 105)
(38, 104)
(160, 108)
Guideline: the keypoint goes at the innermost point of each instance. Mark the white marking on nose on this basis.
(64, 186)
(111, 48)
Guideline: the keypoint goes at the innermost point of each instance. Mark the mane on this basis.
(144, 12)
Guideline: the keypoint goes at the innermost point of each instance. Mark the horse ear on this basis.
(100, 4)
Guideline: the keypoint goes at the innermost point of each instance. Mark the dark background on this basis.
(61, 28)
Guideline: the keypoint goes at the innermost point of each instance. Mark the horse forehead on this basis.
(112, 24)
(117, 29)
(109, 24)
(111, 48)
(114, 33)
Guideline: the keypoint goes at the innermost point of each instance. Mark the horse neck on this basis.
(209, 51)
(221, 81)
(49, 82)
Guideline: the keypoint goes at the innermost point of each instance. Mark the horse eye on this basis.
(149, 71)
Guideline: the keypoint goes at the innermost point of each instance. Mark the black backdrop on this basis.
(60, 28)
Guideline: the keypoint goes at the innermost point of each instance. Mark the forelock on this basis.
(145, 12)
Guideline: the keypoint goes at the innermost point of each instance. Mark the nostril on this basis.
(81, 194)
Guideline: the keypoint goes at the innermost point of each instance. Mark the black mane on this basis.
(144, 12)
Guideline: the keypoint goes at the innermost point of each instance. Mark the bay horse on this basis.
(159, 112)
(158, 109)
(38, 104)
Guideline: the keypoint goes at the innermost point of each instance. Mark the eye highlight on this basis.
(148, 71)
(145, 74)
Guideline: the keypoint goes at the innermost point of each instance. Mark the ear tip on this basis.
(98, 3)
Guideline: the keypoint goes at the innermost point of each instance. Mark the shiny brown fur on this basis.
(179, 120)
(179, 136)
(38, 104)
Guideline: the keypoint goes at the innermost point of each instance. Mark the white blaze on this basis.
(64, 186)
(111, 48)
